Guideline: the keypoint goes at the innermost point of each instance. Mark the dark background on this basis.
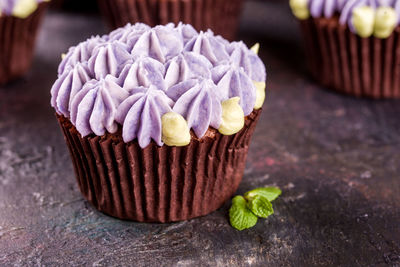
(335, 157)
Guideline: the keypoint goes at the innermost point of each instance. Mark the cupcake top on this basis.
(364, 17)
(19, 8)
(158, 84)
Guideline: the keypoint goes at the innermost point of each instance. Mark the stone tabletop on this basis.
(335, 157)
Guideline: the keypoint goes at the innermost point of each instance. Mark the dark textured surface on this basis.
(335, 157)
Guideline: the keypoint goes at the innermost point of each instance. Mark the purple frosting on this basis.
(80, 53)
(136, 74)
(94, 108)
(144, 71)
(185, 66)
(327, 8)
(69, 83)
(140, 114)
(197, 101)
(108, 58)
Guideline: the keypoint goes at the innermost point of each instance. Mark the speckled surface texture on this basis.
(335, 157)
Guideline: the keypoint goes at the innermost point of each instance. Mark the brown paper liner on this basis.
(158, 184)
(17, 41)
(221, 16)
(341, 60)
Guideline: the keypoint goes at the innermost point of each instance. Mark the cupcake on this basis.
(19, 21)
(353, 46)
(221, 16)
(158, 120)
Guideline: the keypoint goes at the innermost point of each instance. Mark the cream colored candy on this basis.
(175, 130)
(300, 8)
(255, 48)
(24, 8)
(63, 55)
(260, 94)
(364, 20)
(232, 116)
(260, 86)
(385, 22)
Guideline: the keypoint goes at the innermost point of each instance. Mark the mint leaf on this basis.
(261, 206)
(271, 193)
(240, 216)
(245, 211)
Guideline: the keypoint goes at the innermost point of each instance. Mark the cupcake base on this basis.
(17, 42)
(221, 16)
(158, 184)
(341, 60)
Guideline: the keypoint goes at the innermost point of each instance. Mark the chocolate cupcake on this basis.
(158, 120)
(221, 16)
(19, 22)
(353, 46)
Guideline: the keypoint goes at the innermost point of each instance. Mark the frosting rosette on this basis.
(144, 71)
(208, 46)
(67, 85)
(19, 8)
(198, 102)
(80, 53)
(364, 17)
(188, 65)
(140, 114)
(164, 84)
(94, 108)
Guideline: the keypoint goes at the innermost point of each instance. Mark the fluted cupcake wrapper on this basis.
(17, 42)
(158, 184)
(345, 62)
(219, 15)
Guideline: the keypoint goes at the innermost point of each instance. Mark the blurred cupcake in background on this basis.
(353, 46)
(79, 6)
(19, 22)
(221, 16)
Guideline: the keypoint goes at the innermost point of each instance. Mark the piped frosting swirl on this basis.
(158, 84)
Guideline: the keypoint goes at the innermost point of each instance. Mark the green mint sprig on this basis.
(245, 211)
(271, 193)
(240, 216)
(260, 206)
